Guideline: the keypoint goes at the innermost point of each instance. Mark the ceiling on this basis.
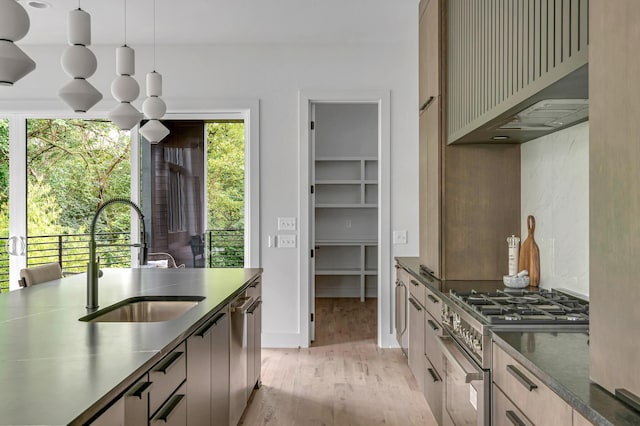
(227, 21)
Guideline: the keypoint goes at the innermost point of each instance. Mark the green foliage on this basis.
(4, 178)
(225, 186)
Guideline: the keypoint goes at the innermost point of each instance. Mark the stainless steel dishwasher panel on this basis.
(238, 358)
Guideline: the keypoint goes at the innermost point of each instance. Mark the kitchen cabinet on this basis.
(113, 416)
(580, 420)
(208, 372)
(433, 365)
(174, 411)
(470, 194)
(533, 399)
(345, 200)
(254, 360)
(166, 377)
(416, 341)
(402, 308)
(429, 50)
(614, 199)
(505, 412)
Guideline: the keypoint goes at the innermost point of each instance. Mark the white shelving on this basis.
(346, 197)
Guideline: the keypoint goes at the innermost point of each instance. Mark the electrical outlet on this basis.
(286, 224)
(287, 241)
(399, 237)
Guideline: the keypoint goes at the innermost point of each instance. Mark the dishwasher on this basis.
(238, 358)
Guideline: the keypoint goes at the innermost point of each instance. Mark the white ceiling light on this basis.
(154, 107)
(14, 25)
(39, 4)
(79, 63)
(125, 88)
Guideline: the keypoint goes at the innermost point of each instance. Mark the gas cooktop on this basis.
(540, 307)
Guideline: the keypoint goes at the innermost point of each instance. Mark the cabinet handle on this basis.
(427, 103)
(415, 283)
(168, 362)
(170, 408)
(434, 375)
(415, 305)
(139, 389)
(628, 397)
(521, 378)
(254, 306)
(203, 330)
(433, 325)
(513, 417)
(426, 272)
(433, 299)
(254, 284)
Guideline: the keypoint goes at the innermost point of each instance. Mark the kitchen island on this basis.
(56, 369)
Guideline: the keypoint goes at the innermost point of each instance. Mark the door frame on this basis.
(385, 298)
(17, 112)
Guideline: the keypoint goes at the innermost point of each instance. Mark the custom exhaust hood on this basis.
(516, 73)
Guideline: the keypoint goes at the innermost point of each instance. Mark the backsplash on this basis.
(555, 189)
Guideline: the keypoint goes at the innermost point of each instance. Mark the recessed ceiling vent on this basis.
(548, 115)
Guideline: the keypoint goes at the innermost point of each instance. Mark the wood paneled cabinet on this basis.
(523, 396)
(469, 194)
(429, 51)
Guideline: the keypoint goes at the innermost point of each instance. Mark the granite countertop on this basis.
(55, 369)
(561, 361)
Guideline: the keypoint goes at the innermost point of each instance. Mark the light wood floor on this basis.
(342, 379)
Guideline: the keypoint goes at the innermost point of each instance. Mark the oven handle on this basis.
(454, 354)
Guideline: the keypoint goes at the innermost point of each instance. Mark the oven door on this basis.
(466, 387)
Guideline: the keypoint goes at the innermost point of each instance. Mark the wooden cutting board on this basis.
(530, 254)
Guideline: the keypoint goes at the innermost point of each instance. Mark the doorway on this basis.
(345, 162)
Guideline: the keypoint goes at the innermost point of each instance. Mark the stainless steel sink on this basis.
(145, 309)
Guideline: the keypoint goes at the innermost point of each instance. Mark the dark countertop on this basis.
(561, 361)
(57, 370)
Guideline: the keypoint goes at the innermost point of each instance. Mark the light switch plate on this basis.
(286, 224)
(399, 237)
(287, 241)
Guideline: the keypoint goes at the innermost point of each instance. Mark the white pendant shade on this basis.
(125, 88)
(14, 63)
(79, 62)
(79, 94)
(125, 61)
(14, 21)
(79, 27)
(14, 25)
(154, 84)
(125, 116)
(154, 108)
(154, 131)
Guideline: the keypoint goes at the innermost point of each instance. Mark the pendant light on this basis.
(14, 25)
(125, 88)
(79, 63)
(154, 107)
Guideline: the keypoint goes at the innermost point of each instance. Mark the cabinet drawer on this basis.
(137, 402)
(174, 411)
(505, 413)
(433, 389)
(432, 330)
(536, 401)
(417, 290)
(433, 304)
(166, 376)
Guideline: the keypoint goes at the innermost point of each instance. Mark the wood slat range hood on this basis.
(517, 70)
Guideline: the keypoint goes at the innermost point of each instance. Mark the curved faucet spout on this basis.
(93, 267)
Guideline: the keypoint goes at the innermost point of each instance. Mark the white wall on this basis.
(272, 74)
(555, 190)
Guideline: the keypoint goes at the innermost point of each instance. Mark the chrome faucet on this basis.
(93, 267)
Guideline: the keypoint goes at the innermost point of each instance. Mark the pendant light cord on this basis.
(125, 22)
(154, 35)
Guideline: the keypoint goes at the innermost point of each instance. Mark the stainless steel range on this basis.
(468, 316)
(472, 314)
